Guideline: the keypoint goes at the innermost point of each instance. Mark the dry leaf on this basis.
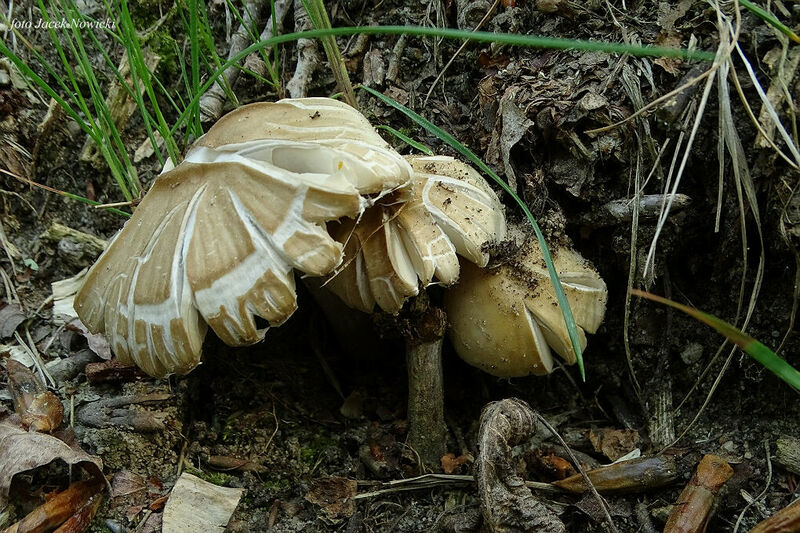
(21, 451)
(334, 495)
(614, 443)
(11, 316)
(40, 409)
(97, 341)
(451, 463)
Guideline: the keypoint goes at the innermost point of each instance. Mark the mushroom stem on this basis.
(426, 433)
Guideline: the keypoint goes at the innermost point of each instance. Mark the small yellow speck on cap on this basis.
(341, 164)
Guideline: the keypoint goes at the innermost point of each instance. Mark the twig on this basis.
(762, 493)
(307, 54)
(429, 481)
(34, 354)
(592, 489)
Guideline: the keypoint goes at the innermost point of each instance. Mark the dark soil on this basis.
(275, 404)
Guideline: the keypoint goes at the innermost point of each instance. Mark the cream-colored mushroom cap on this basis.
(307, 135)
(396, 246)
(217, 239)
(505, 321)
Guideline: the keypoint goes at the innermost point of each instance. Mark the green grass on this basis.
(79, 91)
(406, 139)
(755, 349)
(770, 19)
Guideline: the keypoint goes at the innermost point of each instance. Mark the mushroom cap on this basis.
(307, 135)
(394, 246)
(216, 239)
(505, 321)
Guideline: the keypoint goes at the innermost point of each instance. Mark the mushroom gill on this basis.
(396, 245)
(507, 320)
(216, 239)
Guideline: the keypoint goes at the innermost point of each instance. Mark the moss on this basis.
(309, 453)
(276, 484)
(217, 478)
(161, 43)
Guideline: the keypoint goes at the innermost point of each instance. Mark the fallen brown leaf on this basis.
(334, 495)
(21, 451)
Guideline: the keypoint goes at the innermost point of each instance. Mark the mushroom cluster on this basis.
(309, 185)
(396, 246)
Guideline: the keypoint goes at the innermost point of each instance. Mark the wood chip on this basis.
(197, 505)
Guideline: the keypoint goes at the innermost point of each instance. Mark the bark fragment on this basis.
(695, 505)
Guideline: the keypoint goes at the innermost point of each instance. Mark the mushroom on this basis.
(396, 246)
(506, 320)
(216, 239)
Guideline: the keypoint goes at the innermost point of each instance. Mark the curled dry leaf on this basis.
(21, 451)
(506, 503)
(636, 475)
(70, 509)
(216, 240)
(506, 320)
(39, 409)
(395, 246)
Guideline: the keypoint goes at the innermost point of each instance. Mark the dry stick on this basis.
(307, 54)
(212, 101)
(592, 489)
(429, 481)
(460, 49)
(37, 360)
(762, 493)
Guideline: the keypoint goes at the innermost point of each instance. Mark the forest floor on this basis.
(269, 418)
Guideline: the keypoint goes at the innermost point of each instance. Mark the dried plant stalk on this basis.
(507, 504)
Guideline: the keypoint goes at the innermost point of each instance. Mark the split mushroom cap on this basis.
(394, 246)
(506, 320)
(306, 136)
(216, 239)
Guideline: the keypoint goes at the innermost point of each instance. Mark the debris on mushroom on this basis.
(396, 245)
(217, 238)
(505, 321)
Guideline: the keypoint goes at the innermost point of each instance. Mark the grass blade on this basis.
(748, 344)
(770, 19)
(469, 154)
(406, 139)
